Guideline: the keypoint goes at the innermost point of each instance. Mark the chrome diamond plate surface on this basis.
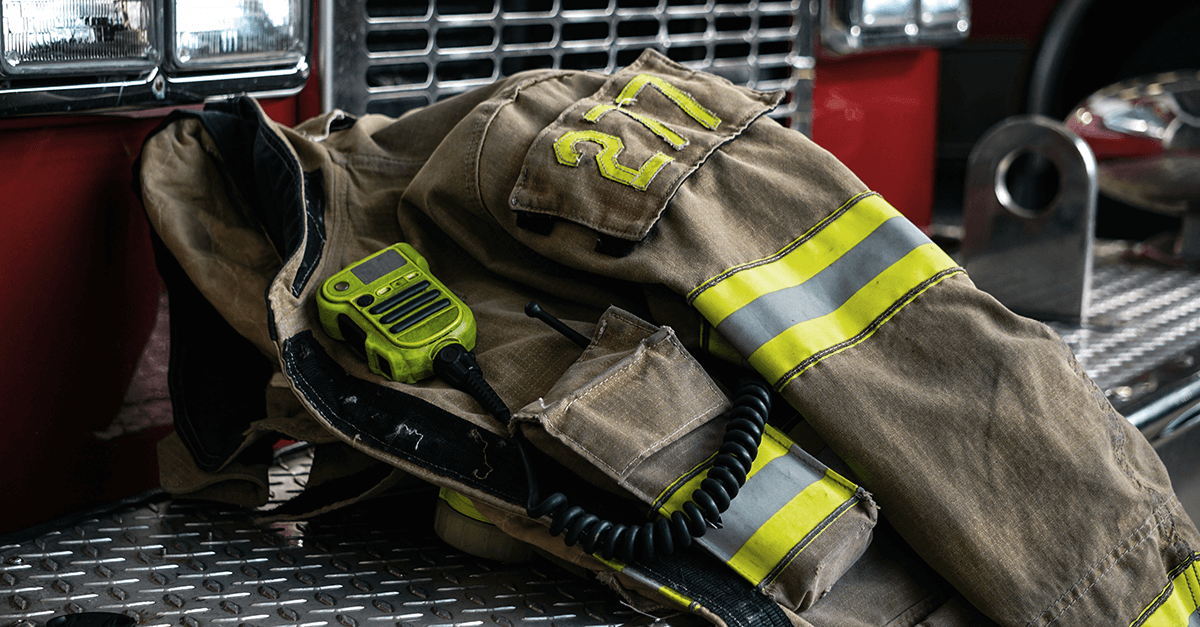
(168, 563)
(1143, 316)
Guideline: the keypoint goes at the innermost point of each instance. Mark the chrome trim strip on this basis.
(325, 52)
(98, 86)
(300, 69)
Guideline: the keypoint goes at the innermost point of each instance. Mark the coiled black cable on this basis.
(730, 467)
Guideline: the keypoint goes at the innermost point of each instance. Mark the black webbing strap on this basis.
(710, 583)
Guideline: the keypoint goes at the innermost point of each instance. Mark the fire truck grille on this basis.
(390, 56)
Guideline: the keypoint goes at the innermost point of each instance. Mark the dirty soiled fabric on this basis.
(659, 212)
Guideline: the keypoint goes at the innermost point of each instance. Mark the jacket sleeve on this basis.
(989, 450)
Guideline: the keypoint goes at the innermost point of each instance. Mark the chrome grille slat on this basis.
(383, 60)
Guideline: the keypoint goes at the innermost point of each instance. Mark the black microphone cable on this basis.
(730, 467)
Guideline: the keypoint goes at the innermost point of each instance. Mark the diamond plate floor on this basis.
(1143, 316)
(168, 563)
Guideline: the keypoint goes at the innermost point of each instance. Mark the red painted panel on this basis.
(80, 293)
(80, 297)
(877, 113)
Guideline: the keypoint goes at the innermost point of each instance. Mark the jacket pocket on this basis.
(613, 160)
(633, 393)
(637, 415)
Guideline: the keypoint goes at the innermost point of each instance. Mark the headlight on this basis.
(78, 55)
(849, 26)
(44, 36)
(236, 32)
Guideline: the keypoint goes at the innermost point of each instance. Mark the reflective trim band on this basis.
(1176, 605)
(826, 291)
(762, 499)
(462, 505)
(797, 524)
(785, 504)
(683, 601)
(771, 448)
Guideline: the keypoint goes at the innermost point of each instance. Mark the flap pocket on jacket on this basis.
(613, 160)
(632, 393)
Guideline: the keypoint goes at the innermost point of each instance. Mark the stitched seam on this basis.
(1153, 607)
(678, 484)
(605, 90)
(808, 539)
(292, 167)
(1168, 590)
(538, 141)
(608, 382)
(1191, 591)
(1116, 561)
(703, 466)
(541, 139)
(475, 156)
(1115, 421)
(800, 241)
(921, 609)
(878, 322)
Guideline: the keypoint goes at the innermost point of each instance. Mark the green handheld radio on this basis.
(395, 313)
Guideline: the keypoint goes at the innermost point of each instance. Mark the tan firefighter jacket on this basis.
(663, 215)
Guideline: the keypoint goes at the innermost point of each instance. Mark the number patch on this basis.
(606, 159)
(611, 145)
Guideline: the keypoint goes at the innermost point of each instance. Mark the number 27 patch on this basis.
(611, 146)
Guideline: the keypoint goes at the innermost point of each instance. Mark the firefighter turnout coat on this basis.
(931, 458)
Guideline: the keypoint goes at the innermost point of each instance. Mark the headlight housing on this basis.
(236, 33)
(76, 55)
(89, 36)
(849, 26)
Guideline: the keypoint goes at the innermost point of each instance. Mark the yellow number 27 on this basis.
(611, 146)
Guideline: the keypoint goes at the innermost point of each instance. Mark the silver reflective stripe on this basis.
(1194, 619)
(767, 316)
(762, 497)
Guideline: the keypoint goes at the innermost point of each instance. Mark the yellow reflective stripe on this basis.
(785, 504)
(773, 446)
(1176, 605)
(462, 505)
(614, 564)
(800, 346)
(683, 601)
(826, 291)
(798, 262)
(759, 557)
